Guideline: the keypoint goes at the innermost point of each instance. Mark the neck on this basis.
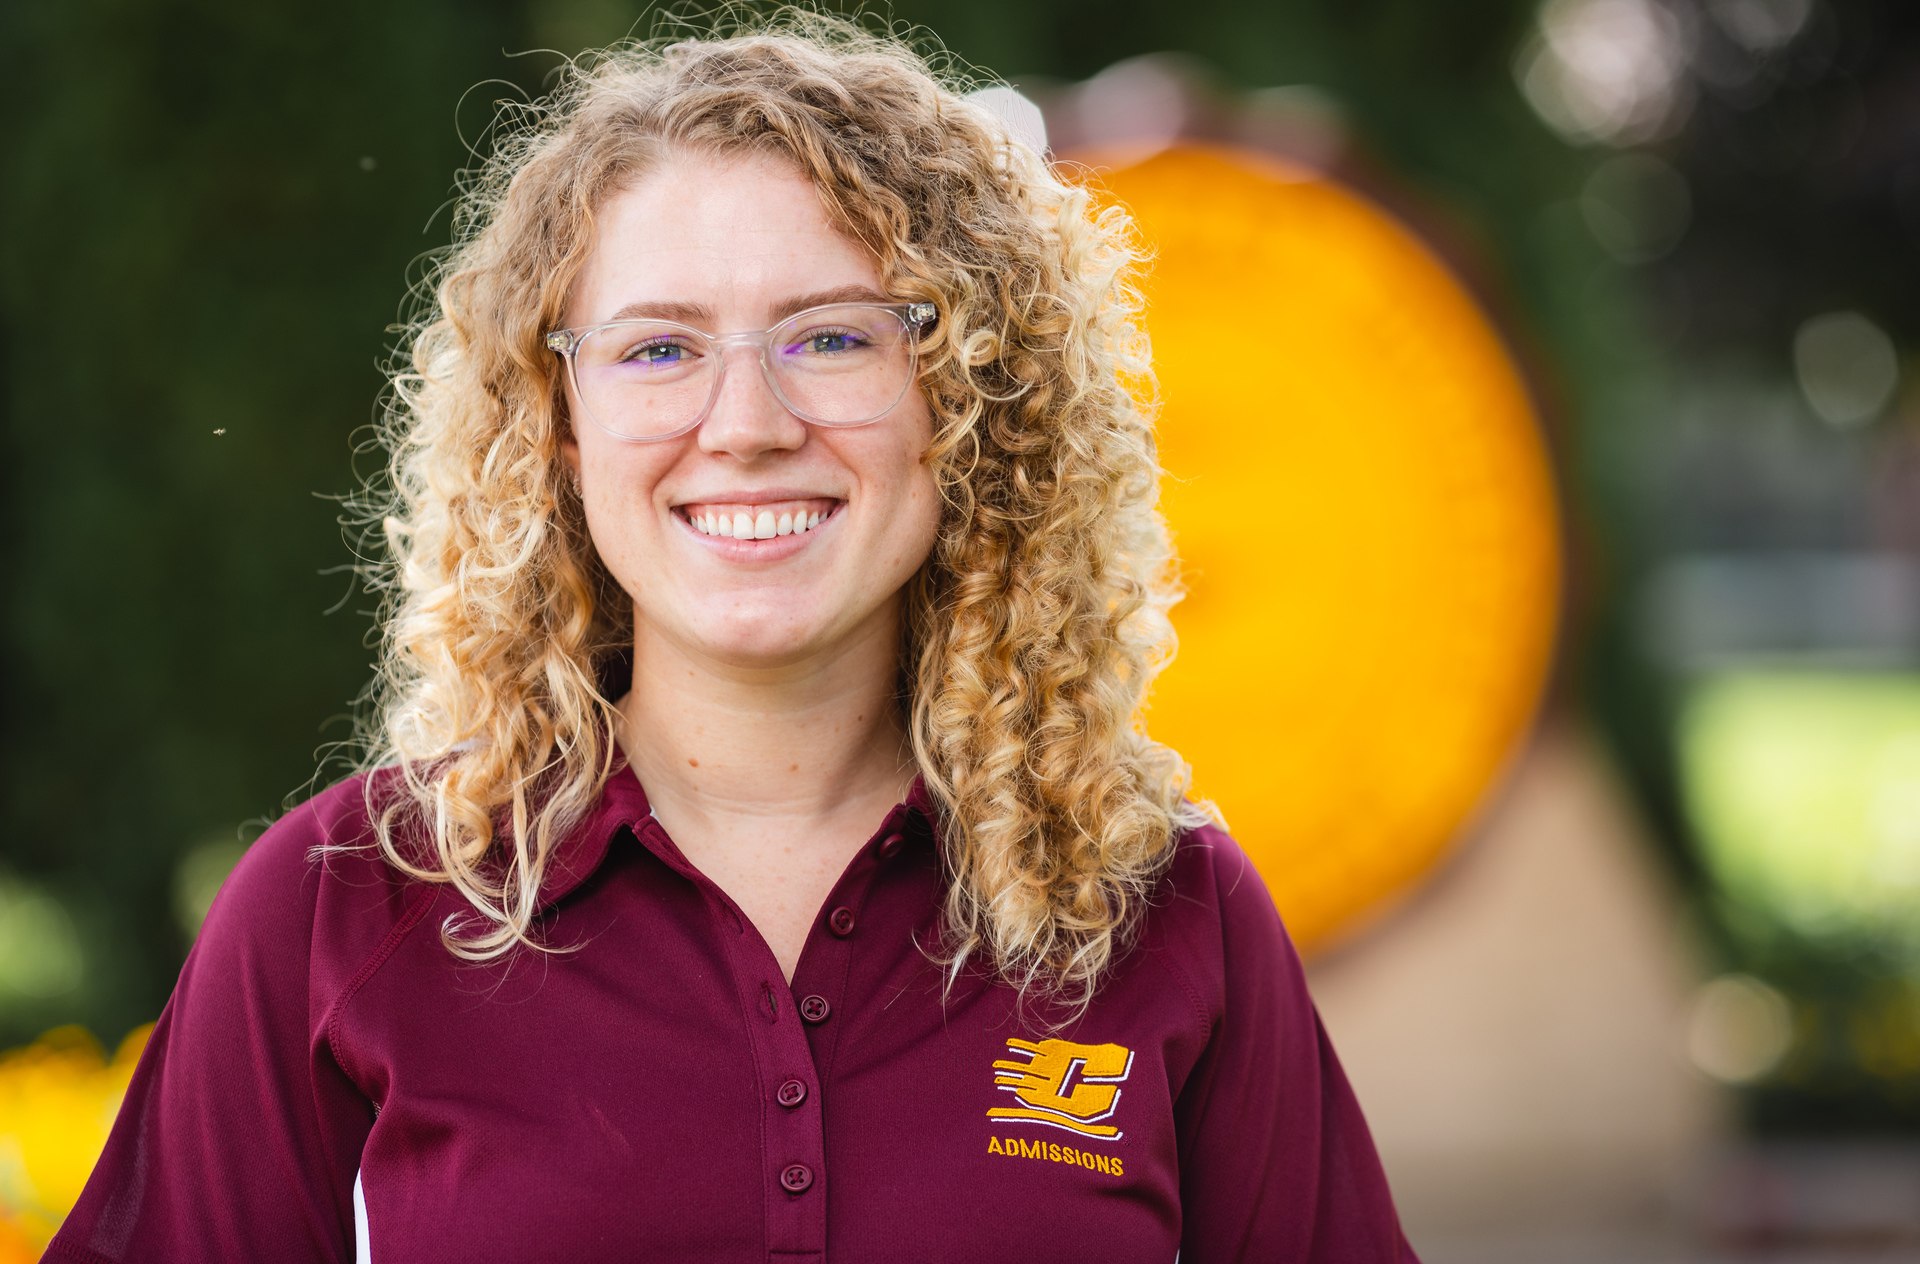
(722, 746)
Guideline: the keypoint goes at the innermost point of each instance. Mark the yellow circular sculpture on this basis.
(1363, 504)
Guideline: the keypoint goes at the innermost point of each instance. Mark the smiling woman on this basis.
(759, 851)
(736, 623)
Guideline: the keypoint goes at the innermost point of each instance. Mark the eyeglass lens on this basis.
(834, 366)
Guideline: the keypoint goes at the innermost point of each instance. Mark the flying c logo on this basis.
(1062, 1084)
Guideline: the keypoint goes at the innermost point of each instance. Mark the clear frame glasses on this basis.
(845, 364)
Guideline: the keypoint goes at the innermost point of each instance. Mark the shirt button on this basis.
(791, 1094)
(890, 847)
(795, 1177)
(815, 1009)
(840, 921)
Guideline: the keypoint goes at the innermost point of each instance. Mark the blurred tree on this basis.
(210, 211)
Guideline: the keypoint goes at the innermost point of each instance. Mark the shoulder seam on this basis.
(422, 900)
(1201, 1018)
(1189, 983)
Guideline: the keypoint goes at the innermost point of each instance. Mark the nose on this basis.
(747, 419)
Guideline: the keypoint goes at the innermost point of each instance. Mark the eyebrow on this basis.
(701, 315)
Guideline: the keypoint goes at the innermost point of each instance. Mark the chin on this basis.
(746, 641)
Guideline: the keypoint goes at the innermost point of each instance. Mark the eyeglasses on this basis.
(846, 364)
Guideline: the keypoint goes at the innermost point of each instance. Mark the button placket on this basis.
(794, 1134)
(826, 962)
(792, 1049)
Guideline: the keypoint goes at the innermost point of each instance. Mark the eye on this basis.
(833, 341)
(664, 351)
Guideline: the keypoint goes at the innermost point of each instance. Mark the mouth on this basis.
(754, 525)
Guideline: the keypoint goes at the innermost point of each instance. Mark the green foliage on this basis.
(211, 213)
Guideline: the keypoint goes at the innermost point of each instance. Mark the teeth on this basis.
(762, 526)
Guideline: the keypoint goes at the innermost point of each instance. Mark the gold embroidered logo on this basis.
(1062, 1084)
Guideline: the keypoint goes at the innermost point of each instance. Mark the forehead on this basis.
(736, 235)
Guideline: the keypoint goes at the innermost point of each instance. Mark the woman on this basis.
(759, 856)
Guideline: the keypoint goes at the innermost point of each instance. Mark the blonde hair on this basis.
(1033, 630)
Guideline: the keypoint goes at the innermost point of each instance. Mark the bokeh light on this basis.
(1739, 1028)
(40, 954)
(1847, 367)
(1805, 790)
(1636, 206)
(1608, 70)
(197, 879)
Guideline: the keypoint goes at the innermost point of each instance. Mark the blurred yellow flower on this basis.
(58, 1098)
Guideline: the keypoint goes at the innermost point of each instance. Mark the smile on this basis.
(758, 522)
(759, 533)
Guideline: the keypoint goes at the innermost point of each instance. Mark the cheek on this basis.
(919, 520)
(616, 485)
(928, 505)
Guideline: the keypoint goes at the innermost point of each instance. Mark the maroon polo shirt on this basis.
(328, 1083)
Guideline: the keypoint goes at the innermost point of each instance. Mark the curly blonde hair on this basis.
(1033, 630)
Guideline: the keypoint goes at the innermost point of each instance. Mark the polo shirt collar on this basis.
(623, 805)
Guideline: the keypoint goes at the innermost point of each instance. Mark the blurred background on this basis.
(1543, 444)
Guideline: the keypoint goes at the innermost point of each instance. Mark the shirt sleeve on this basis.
(1276, 1163)
(239, 1136)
